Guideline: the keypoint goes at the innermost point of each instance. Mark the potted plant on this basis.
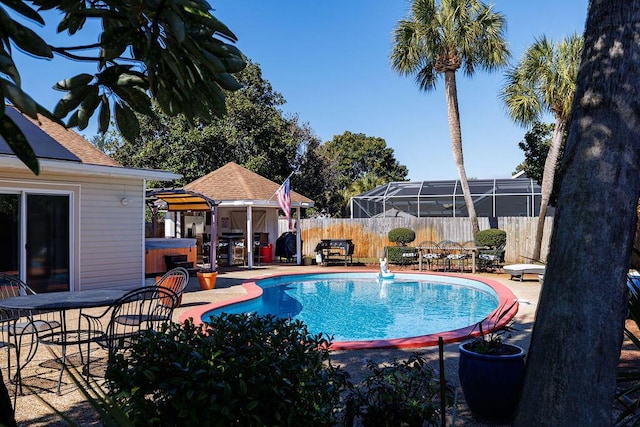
(307, 260)
(207, 278)
(491, 371)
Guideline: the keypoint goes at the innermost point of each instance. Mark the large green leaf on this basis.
(73, 120)
(74, 82)
(25, 38)
(72, 22)
(70, 101)
(132, 79)
(105, 115)
(136, 98)
(114, 43)
(18, 143)
(46, 4)
(88, 106)
(176, 24)
(127, 122)
(19, 98)
(24, 10)
(110, 75)
(227, 81)
(8, 67)
(222, 29)
(234, 64)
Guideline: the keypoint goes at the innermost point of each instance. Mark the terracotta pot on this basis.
(207, 280)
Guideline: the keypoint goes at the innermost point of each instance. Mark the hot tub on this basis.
(157, 248)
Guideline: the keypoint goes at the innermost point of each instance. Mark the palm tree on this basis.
(544, 82)
(439, 40)
(367, 182)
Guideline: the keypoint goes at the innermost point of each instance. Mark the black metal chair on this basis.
(122, 323)
(430, 253)
(491, 259)
(20, 329)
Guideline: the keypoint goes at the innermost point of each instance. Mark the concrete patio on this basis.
(41, 374)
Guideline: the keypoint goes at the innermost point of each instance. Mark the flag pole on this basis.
(285, 180)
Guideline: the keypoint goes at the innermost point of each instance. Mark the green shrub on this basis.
(402, 255)
(234, 370)
(402, 236)
(492, 238)
(400, 394)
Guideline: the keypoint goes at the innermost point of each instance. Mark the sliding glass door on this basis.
(10, 254)
(36, 247)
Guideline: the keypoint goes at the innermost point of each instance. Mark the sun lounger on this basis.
(519, 270)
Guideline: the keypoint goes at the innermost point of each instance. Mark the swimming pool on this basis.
(360, 311)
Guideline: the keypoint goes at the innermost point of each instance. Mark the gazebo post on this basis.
(249, 240)
(213, 247)
(154, 219)
(298, 238)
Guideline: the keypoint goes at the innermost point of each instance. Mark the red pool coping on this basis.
(505, 299)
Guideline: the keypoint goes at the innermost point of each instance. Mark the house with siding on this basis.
(80, 223)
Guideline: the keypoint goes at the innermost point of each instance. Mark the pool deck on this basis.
(229, 286)
(30, 411)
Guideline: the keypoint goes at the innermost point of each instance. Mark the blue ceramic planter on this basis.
(492, 383)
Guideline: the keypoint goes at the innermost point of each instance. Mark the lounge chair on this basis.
(519, 270)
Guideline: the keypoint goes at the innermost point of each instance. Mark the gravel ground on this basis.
(41, 374)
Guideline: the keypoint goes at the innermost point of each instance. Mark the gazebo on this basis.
(246, 209)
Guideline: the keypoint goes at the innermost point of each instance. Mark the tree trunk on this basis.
(575, 346)
(548, 178)
(453, 114)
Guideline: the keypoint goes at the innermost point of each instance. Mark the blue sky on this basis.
(330, 61)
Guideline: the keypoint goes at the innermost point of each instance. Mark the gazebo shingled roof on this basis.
(234, 182)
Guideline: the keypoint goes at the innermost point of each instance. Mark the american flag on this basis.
(284, 199)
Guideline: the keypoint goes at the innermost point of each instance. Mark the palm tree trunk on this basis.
(575, 346)
(453, 113)
(548, 178)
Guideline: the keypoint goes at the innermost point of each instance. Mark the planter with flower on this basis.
(491, 371)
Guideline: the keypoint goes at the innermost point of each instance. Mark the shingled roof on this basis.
(233, 182)
(50, 140)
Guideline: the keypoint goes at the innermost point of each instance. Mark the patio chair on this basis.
(452, 252)
(177, 280)
(431, 254)
(237, 253)
(122, 323)
(491, 259)
(467, 249)
(20, 329)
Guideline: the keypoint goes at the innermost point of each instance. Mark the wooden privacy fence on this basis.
(369, 235)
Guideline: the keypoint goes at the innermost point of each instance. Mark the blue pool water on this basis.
(358, 307)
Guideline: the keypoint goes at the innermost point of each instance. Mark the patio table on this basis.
(446, 250)
(61, 302)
